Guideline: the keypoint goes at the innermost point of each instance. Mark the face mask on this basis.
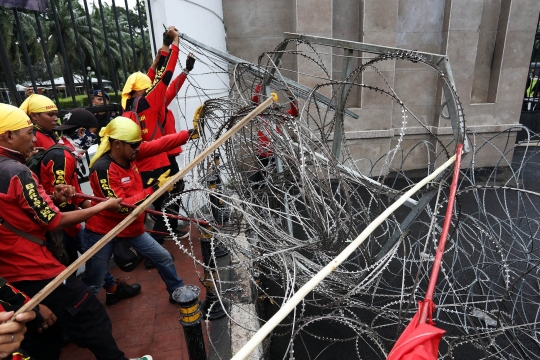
(85, 141)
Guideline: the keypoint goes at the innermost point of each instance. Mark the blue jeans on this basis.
(72, 245)
(96, 268)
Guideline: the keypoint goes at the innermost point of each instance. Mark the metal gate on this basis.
(70, 49)
(530, 110)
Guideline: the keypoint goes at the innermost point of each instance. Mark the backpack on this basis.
(54, 239)
(133, 115)
(34, 161)
(125, 255)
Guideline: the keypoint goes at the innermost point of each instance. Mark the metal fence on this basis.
(71, 49)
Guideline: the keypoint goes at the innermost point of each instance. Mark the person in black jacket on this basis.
(100, 98)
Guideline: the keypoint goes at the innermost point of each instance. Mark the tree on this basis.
(74, 33)
(137, 27)
(75, 63)
(13, 43)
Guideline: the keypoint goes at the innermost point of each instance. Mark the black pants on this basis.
(72, 245)
(159, 224)
(79, 314)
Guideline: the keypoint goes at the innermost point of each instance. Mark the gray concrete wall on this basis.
(488, 42)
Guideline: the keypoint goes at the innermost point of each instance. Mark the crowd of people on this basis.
(44, 227)
(42, 221)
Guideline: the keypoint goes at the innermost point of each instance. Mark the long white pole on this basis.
(324, 272)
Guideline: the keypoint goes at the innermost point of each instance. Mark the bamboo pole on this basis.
(130, 206)
(141, 208)
(324, 272)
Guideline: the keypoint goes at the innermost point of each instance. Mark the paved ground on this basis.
(148, 323)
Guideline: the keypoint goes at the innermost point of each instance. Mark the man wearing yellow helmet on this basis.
(169, 127)
(114, 173)
(144, 99)
(27, 212)
(43, 113)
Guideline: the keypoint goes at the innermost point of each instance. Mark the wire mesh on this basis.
(285, 216)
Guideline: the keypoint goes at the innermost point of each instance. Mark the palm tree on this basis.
(75, 61)
(114, 48)
(136, 63)
(13, 43)
(74, 33)
(68, 36)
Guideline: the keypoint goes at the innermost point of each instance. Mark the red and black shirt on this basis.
(25, 205)
(11, 299)
(44, 138)
(151, 110)
(169, 126)
(58, 167)
(110, 179)
(264, 146)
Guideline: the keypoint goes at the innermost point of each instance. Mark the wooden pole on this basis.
(141, 208)
(130, 206)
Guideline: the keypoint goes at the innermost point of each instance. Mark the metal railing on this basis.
(58, 52)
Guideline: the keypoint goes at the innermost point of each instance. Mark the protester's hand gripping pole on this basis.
(324, 272)
(141, 208)
(154, 212)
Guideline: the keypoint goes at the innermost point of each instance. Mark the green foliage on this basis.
(76, 36)
(11, 37)
(82, 101)
(67, 103)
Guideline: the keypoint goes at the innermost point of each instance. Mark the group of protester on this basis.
(42, 222)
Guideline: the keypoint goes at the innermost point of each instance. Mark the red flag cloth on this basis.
(418, 341)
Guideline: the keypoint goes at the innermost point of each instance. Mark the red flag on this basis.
(419, 341)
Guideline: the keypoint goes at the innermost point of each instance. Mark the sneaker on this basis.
(179, 235)
(145, 357)
(183, 234)
(123, 291)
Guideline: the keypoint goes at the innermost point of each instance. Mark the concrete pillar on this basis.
(203, 21)
(380, 23)
(314, 17)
